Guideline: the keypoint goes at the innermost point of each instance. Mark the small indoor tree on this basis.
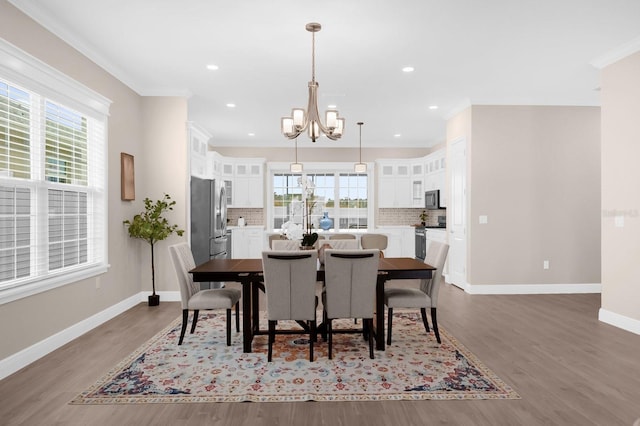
(151, 226)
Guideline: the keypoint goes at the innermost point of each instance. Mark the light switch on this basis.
(618, 221)
(484, 219)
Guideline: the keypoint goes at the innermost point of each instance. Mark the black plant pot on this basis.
(154, 300)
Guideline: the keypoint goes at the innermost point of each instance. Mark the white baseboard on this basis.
(534, 288)
(36, 351)
(620, 321)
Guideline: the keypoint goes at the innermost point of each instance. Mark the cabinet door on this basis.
(386, 192)
(238, 244)
(254, 240)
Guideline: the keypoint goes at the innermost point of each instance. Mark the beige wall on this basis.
(132, 129)
(535, 173)
(620, 87)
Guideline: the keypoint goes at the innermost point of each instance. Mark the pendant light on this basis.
(360, 167)
(296, 167)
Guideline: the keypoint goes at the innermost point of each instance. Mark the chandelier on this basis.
(309, 120)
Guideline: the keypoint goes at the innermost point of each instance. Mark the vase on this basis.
(326, 222)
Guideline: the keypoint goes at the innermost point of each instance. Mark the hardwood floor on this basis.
(569, 369)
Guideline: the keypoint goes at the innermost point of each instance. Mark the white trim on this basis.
(36, 76)
(620, 321)
(21, 359)
(618, 53)
(534, 288)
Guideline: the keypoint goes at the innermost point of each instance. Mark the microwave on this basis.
(432, 200)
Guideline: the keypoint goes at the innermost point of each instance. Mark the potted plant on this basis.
(151, 226)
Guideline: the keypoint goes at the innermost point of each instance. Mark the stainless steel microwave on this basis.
(432, 200)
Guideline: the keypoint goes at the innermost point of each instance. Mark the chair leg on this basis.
(324, 329)
(185, 319)
(365, 330)
(228, 327)
(423, 312)
(272, 338)
(389, 321)
(370, 322)
(238, 317)
(434, 321)
(195, 320)
(330, 333)
(313, 337)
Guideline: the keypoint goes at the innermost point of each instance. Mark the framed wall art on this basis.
(127, 177)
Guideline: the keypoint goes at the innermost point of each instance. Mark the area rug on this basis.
(204, 369)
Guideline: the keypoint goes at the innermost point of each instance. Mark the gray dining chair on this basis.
(341, 236)
(290, 286)
(194, 299)
(424, 297)
(350, 290)
(370, 241)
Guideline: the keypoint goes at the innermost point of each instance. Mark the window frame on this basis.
(23, 70)
(318, 167)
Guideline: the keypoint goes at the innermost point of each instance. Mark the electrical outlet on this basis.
(545, 264)
(483, 219)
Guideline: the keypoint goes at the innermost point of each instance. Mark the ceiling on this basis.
(492, 52)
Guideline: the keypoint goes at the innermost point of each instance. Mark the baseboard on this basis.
(620, 321)
(534, 288)
(36, 351)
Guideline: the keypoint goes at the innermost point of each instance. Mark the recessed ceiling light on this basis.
(397, 135)
(231, 105)
(212, 67)
(407, 69)
(433, 106)
(332, 106)
(252, 134)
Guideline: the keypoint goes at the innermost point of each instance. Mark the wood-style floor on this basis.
(569, 369)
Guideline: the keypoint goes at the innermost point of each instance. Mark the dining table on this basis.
(248, 272)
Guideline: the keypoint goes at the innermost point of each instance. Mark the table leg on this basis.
(255, 306)
(378, 322)
(247, 330)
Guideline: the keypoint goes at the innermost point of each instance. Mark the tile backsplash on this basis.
(396, 217)
(251, 216)
(385, 217)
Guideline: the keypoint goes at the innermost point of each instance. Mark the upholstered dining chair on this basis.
(276, 237)
(341, 236)
(350, 289)
(290, 286)
(370, 241)
(194, 299)
(424, 297)
(288, 245)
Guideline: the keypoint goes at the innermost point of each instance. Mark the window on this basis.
(343, 195)
(52, 178)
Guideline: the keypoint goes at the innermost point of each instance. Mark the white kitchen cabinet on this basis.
(400, 241)
(394, 184)
(198, 140)
(248, 183)
(247, 242)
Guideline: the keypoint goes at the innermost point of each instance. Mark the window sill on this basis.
(21, 291)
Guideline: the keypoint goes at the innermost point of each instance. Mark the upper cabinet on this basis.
(248, 183)
(402, 183)
(198, 140)
(394, 183)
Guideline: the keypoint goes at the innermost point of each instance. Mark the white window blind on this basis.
(52, 178)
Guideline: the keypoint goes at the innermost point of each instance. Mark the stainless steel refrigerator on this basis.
(208, 222)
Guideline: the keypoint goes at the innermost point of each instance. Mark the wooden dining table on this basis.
(248, 272)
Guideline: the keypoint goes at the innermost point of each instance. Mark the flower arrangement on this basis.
(303, 231)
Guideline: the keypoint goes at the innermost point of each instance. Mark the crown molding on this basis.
(618, 53)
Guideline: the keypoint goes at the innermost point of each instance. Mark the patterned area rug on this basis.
(204, 369)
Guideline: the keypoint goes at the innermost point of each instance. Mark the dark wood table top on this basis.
(254, 266)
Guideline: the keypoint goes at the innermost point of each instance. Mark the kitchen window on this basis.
(342, 194)
(52, 178)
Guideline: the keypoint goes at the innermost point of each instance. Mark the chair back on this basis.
(350, 283)
(342, 237)
(369, 241)
(342, 244)
(290, 284)
(273, 237)
(182, 259)
(435, 256)
(285, 245)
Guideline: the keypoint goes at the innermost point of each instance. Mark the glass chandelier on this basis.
(309, 120)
